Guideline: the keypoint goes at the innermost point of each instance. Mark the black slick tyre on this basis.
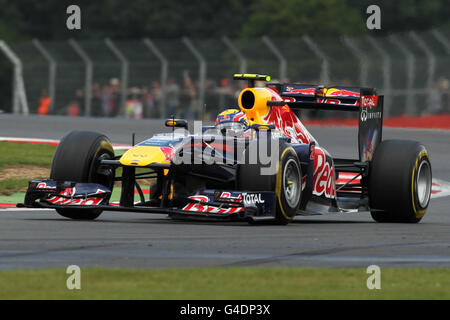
(77, 159)
(400, 182)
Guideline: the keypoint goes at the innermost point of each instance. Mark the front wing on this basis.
(205, 204)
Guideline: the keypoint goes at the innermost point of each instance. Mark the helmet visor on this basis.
(231, 128)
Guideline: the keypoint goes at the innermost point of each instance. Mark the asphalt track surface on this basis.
(41, 238)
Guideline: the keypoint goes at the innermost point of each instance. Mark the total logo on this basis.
(369, 101)
(252, 199)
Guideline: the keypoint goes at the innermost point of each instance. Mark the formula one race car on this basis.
(256, 163)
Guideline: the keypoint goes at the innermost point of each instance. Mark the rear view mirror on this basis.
(176, 123)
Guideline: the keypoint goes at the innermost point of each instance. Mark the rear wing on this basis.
(365, 101)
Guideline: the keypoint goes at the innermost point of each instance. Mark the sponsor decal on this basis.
(75, 202)
(366, 115)
(204, 208)
(329, 101)
(225, 195)
(229, 197)
(342, 93)
(369, 101)
(324, 176)
(312, 152)
(199, 198)
(252, 199)
(43, 185)
(305, 91)
(168, 152)
(66, 197)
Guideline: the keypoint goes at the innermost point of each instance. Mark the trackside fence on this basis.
(191, 78)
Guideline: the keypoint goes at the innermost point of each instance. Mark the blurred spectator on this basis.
(172, 98)
(188, 97)
(110, 98)
(114, 102)
(156, 94)
(74, 109)
(225, 92)
(96, 104)
(211, 100)
(148, 103)
(444, 88)
(44, 103)
(105, 101)
(438, 97)
(133, 107)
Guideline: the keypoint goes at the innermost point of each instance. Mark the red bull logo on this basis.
(324, 176)
(168, 152)
(198, 207)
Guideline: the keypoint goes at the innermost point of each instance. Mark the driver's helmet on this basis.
(232, 122)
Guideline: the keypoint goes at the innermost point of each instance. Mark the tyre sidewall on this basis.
(392, 181)
(285, 212)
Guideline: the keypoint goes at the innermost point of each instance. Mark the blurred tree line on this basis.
(46, 19)
(22, 20)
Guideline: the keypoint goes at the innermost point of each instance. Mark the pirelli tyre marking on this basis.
(421, 184)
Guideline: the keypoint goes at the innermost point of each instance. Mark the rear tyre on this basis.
(286, 183)
(77, 159)
(400, 182)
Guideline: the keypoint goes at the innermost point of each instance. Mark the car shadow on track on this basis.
(200, 222)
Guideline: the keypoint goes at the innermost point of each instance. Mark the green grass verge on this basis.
(26, 153)
(13, 153)
(226, 283)
(22, 154)
(14, 198)
(8, 186)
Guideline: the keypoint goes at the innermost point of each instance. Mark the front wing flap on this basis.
(66, 193)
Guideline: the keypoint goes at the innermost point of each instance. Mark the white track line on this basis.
(53, 141)
(28, 140)
(24, 209)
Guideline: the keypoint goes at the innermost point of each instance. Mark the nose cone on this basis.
(141, 156)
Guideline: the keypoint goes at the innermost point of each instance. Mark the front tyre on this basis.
(288, 187)
(77, 159)
(286, 183)
(400, 182)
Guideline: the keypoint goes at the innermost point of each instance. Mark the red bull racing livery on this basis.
(257, 163)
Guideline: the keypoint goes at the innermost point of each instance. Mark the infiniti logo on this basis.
(364, 115)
